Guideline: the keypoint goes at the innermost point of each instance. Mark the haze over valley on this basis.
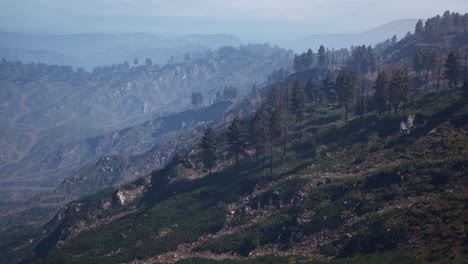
(250, 132)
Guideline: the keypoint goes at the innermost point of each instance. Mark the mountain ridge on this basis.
(368, 37)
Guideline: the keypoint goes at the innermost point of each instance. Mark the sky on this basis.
(251, 20)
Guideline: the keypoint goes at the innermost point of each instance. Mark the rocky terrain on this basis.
(55, 120)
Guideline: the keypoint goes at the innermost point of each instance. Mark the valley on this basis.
(242, 155)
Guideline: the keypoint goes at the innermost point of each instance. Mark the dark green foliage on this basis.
(380, 92)
(398, 89)
(327, 92)
(276, 133)
(274, 99)
(303, 61)
(259, 134)
(425, 60)
(392, 257)
(362, 59)
(419, 29)
(310, 90)
(197, 99)
(322, 56)
(453, 68)
(236, 140)
(346, 85)
(298, 104)
(230, 93)
(209, 149)
(437, 26)
(298, 101)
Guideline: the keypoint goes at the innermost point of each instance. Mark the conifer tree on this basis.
(209, 149)
(418, 62)
(259, 135)
(380, 87)
(310, 88)
(148, 62)
(309, 58)
(453, 68)
(298, 101)
(397, 89)
(419, 30)
(274, 97)
(276, 133)
(197, 99)
(322, 56)
(346, 85)
(425, 59)
(405, 87)
(328, 90)
(236, 140)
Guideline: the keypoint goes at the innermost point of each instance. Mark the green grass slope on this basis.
(360, 192)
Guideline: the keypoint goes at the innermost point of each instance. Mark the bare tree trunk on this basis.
(427, 79)
(286, 119)
(271, 158)
(362, 97)
(346, 113)
(438, 76)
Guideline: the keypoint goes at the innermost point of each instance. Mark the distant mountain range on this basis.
(90, 50)
(369, 37)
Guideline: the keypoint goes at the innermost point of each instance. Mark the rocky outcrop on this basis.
(131, 192)
(411, 123)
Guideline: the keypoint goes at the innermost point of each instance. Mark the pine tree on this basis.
(259, 134)
(298, 104)
(405, 87)
(322, 56)
(418, 62)
(465, 90)
(298, 100)
(328, 89)
(425, 59)
(274, 96)
(209, 149)
(276, 133)
(346, 85)
(236, 140)
(453, 68)
(309, 58)
(310, 88)
(380, 87)
(148, 62)
(197, 99)
(397, 89)
(419, 30)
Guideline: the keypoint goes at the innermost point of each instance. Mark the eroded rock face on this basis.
(131, 192)
(407, 126)
(412, 123)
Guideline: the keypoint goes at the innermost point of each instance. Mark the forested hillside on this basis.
(354, 162)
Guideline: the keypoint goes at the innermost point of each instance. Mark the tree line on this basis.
(441, 25)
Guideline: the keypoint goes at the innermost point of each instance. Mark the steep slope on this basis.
(45, 108)
(378, 186)
(164, 137)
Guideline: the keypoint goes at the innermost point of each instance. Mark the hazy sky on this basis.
(252, 20)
